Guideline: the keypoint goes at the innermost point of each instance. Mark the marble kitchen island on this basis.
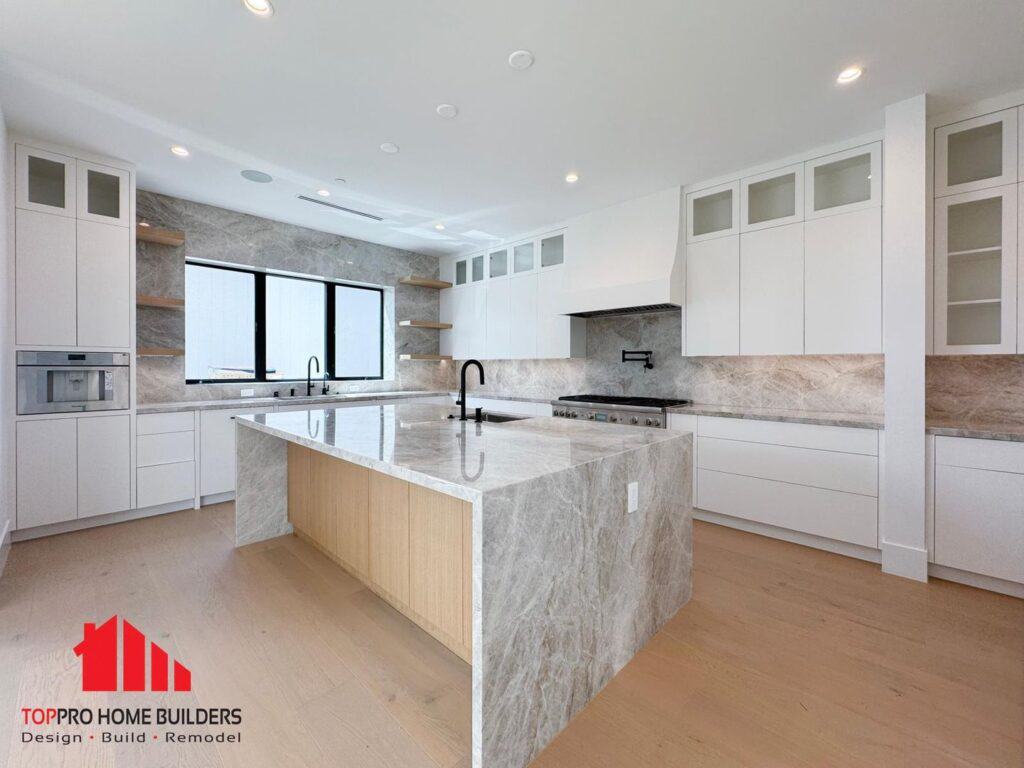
(510, 542)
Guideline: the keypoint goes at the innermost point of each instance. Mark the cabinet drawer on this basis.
(998, 455)
(979, 521)
(165, 448)
(835, 515)
(823, 438)
(157, 423)
(848, 472)
(165, 483)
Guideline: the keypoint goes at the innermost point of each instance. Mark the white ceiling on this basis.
(635, 96)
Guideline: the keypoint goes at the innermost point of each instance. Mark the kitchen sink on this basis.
(494, 418)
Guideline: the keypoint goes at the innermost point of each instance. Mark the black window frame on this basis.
(260, 325)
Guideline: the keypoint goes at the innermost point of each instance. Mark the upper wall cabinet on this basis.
(524, 258)
(713, 212)
(461, 272)
(45, 181)
(102, 193)
(772, 199)
(844, 181)
(552, 250)
(976, 154)
(497, 263)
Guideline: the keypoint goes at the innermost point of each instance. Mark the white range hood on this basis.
(627, 258)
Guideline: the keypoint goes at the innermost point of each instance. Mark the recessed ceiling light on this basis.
(389, 148)
(258, 176)
(849, 74)
(520, 60)
(572, 178)
(179, 150)
(439, 227)
(324, 192)
(259, 7)
(447, 111)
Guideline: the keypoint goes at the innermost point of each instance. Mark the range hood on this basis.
(626, 259)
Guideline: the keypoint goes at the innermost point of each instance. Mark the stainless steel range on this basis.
(632, 411)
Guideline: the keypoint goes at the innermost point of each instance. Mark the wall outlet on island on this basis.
(633, 494)
(248, 393)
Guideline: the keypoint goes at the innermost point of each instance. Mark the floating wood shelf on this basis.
(424, 324)
(163, 302)
(159, 235)
(424, 357)
(160, 352)
(424, 282)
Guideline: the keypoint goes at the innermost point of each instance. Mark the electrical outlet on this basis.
(633, 493)
(353, 387)
(248, 393)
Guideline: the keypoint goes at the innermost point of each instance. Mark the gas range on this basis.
(632, 411)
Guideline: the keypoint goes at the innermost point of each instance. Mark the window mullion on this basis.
(260, 320)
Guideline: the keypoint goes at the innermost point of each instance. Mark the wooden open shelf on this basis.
(163, 302)
(159, 235)
(424, 357)
(159, 352)
(424, 282)
(425, 324)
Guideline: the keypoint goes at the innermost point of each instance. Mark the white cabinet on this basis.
(772, 291)
(713, 212)
(713, 297)
(104, 465)
(446, 314)
(103, 193)
(45, 181)
(976, 272)
(558, 335)
(166, 483)
(772, 199)
(217, 449)
(104, 286)
(843, 283)
(977, 153)
(499, 320)
(45, 279)
(47, 471)
(524, 258)
(844, 181)
(476, 320)
(979, 506)
(523, 312)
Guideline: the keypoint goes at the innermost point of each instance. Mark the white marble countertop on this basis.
(976, 429)
(827, 418)
(263, 402)
(420, 444)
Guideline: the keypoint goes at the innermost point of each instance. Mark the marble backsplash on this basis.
(238, 238)
(981, 389)
(850, 383)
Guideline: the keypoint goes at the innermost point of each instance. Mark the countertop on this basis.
(419, 443)
(978, 430)
(263, 402)
(826, 418)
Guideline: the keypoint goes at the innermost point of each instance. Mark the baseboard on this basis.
(5, 546)
(216, 498)
(794, 537)
(68, 526)
(908, 562)
(991, 583)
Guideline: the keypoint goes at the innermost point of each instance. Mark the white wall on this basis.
(6, 355)
(904, 337)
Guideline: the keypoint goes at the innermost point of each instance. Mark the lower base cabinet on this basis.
(104, 465)
(410, 544)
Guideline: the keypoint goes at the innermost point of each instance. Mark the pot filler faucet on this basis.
(462, 389)
(309, 376)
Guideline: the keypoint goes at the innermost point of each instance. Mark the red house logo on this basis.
(98, 650)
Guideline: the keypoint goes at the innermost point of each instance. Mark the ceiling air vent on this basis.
(640, 310)
(341, 208)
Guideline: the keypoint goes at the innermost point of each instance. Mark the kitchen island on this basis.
(512, 543)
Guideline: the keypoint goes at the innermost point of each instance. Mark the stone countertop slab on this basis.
(825, 418)
(977, 430)
(503, 396)
(419, 443)
(263, 402)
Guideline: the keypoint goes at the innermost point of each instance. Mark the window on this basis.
(244, 325)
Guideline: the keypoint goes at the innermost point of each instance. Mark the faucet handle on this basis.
(479, 414)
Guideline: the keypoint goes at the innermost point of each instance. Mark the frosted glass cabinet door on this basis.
(772, 199)
(713, 212)
(845, 181)
(45, 181)
(976, 154)
(103, 193)
(713, 297)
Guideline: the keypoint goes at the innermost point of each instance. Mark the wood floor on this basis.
(786, 656)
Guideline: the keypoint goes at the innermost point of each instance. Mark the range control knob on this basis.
(556, 412)
(590, 416)
(657, 422)
(574, 414)
(633, 420)
(648, 422)
(613, 418)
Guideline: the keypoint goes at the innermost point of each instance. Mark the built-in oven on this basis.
(65, 382)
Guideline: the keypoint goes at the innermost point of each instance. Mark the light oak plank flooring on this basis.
(786, 656)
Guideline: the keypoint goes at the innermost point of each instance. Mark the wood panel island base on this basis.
(510, 543)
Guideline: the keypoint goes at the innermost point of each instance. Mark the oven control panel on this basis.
(610, 417)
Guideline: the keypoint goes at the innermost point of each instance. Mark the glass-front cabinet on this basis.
(979, 153)
(497, 263)
(102, 193)
(45, 181)
(976, 272)
(552, 251)
(772, 199)
(842, 182)
(713, 212)
(523, 257)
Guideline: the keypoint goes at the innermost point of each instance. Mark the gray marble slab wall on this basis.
(238, 238)
(851, 383)
(986, 389)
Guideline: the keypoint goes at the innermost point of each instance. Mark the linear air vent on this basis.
(341, 208)
(640, 310)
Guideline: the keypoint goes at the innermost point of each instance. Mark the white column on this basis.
(904, 337)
